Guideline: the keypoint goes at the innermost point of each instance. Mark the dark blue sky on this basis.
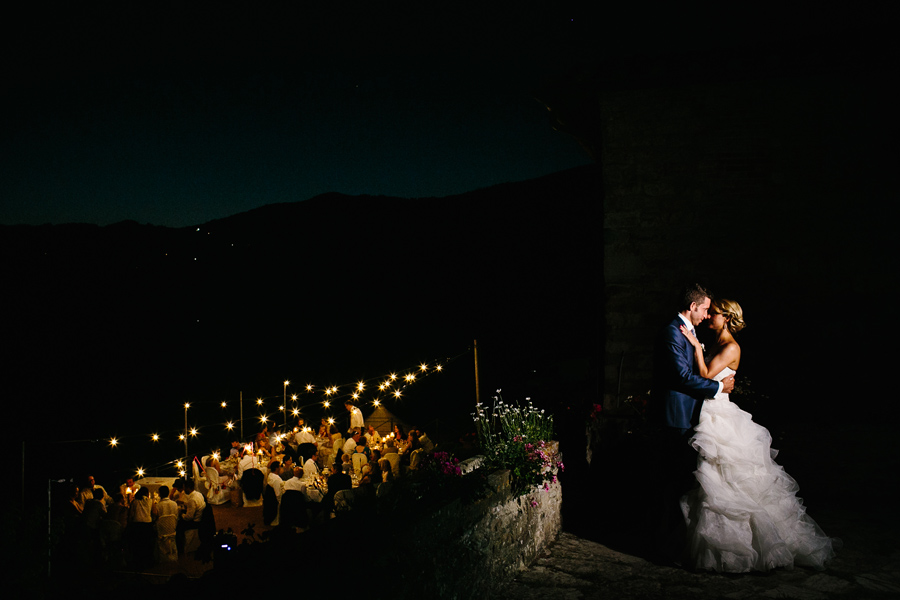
(181, 119)
(178, 113)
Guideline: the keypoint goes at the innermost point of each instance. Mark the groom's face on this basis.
(699, 312)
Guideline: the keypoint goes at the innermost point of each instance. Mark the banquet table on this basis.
(154, 483)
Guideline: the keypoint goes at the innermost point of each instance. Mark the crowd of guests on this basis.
(300, 466)
(130, 527)
(296, 476)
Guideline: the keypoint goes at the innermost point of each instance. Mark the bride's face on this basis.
(717, 320)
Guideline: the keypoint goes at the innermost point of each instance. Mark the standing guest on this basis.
(166, 506)
(129, 489)
(118, 511)
(140, 528)
(166, 514)
(356, 417)
(177, 493)
(94, 510)
(194, 505)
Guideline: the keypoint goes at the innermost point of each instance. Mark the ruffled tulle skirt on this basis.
(745, 514)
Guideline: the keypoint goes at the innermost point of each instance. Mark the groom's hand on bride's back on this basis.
(728, 384)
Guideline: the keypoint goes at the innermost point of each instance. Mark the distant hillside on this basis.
(325, 287)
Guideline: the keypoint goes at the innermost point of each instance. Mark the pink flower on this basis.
(534, 503)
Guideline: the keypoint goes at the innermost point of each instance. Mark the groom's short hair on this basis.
(692, 293)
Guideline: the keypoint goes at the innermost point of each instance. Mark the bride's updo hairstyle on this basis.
(732, 311)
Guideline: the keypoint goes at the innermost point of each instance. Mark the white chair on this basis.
(358, 461)
(199, 480)
(217, 494)
(394, 459)
(165, 534)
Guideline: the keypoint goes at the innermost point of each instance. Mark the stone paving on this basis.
(576, 568)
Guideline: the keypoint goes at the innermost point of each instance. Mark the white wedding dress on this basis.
(745, 515)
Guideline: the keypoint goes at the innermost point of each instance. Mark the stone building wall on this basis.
(761, 189)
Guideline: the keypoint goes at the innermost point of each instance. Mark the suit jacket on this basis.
(678, 388)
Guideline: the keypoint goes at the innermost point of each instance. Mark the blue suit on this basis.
(678, 388)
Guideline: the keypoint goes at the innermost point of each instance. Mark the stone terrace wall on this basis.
(465, 550)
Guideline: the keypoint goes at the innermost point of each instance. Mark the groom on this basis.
(677, 395)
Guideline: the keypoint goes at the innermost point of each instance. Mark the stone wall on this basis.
(765, 190)
(467, 549)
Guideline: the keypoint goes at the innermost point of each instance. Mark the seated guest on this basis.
(359, 459)
(311, 466)
(272, 494)
(252, 486)
(294, 501)
(412, 444)
(387, 473)
(336, 482)
(218, 485)
(248, 461)
(235, 448)
(194, 505)
(347, 465)
(426, 443)
(287, 467)
(375, 468)
(372, 437)
(389, 447)
(264, 449)
(351, 443)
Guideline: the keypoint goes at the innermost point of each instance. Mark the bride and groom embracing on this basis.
(728, 505)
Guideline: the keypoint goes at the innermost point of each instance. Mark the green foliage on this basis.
(516, 438)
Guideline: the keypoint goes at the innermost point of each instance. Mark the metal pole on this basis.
(477, 386)
(242, 417)
(186, 465)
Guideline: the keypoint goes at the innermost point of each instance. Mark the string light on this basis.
(329, 391)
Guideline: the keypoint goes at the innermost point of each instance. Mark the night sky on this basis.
(175, 115)
(177, 119)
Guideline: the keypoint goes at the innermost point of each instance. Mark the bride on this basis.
(745, 514)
